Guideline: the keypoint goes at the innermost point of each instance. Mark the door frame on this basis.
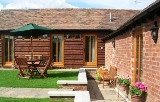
(4, 63)
(137, 55)
(58, 64)
(90, 64)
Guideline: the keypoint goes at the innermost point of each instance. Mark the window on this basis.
(34, 36)
(73, 36)
(77, 36)
(69, 36)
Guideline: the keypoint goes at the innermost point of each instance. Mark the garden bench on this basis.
(79, 96)
(80, 84)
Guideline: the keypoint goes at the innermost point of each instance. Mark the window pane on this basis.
(77, 36)
(6, 48)
(59, 48)
(11, 48)
(54, 47)
(87, 39)
(44, 36)
(92, 48)
(69, 36)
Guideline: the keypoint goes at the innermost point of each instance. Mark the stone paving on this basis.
(100, 94)
(97, 92)
(27, 92)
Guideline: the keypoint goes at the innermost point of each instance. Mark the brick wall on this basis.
(122, 57)
(151, 63)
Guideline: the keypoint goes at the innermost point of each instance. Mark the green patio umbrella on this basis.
(30, 30)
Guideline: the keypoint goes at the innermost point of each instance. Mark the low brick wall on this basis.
(75, 87)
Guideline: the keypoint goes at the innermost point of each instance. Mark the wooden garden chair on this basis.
(110, 76)
(43, 65)
(24, 70)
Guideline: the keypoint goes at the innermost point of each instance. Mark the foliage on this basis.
(98, 73)
(9, 79)
(124, 80)
(138, 89)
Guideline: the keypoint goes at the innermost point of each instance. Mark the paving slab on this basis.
(27, 92)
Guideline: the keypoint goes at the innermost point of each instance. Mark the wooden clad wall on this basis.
(0, 52)
(74, 49)
(73, 53)
(39, 47)
(101, 51)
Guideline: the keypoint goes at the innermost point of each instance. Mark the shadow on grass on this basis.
(62, 74)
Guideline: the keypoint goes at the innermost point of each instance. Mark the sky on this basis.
(104, 4)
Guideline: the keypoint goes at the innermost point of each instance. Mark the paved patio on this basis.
(97, 92)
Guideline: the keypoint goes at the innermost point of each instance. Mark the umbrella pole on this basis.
(31, 46)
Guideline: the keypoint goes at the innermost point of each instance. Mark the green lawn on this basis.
(2, 99)
(9, 79)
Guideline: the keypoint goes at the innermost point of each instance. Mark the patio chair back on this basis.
(21, 63)
(109, 76)
(112, 72)
(43, 65)
(44, 61)
(24, 71)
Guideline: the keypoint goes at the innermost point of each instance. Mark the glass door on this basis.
(90, 50)
(137, 71)
(139, 49)
(58, 50)
(8, 49)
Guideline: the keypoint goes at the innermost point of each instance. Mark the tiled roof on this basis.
(139, 18)
(65, 18)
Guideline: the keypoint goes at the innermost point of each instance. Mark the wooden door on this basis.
(90, 50)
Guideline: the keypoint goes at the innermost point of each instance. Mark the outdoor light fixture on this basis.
(154, 31)
(113, 42)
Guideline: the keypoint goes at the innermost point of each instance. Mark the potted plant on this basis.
(124, 82)
(137, 91)
(98, 77)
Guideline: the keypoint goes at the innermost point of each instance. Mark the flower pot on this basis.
(135, 98)
(123, 87)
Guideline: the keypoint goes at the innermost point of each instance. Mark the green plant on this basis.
(98, 77)
(124, 80)
(138, 89)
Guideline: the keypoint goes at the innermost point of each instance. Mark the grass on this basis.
(9, 78)
(3, 99)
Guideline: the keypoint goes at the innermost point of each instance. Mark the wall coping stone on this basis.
(82, 78)
(79, 96)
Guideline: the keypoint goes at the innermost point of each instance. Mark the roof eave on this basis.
(145, 12)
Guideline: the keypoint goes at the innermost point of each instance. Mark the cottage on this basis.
(134, 48)
(76, 39)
